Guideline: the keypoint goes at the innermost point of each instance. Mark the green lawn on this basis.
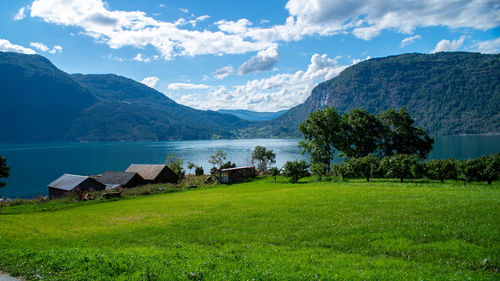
(263, 230)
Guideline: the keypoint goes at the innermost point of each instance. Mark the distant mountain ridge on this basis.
(446, 93)
(252, 115)
(41, 103)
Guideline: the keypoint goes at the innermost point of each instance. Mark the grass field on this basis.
(263, 230)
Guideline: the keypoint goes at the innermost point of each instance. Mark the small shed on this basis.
(120, 179)
(236, 174)
(67, 183)
(154, 173)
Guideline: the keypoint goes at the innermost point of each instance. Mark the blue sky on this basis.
(257, 55)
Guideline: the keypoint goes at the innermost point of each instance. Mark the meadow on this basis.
(262, 230)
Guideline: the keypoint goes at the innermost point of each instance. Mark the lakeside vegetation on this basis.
(267, 231)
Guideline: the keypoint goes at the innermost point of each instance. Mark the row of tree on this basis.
(359, 133)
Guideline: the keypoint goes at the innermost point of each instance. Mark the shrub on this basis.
(199, 171)
(366, 166)
(400, 166)
(342, 170)
(296, 170)
(274, 171)
(319, 169)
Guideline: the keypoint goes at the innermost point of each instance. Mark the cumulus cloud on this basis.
(21, 14)
(6, 46)
(277, 92)
(409, 40)
(187, 86)
(150, 81)
(133, 28)
(43, 48)
(488, 47)
(448, 46)
(223, 72)
(139, 57)
(264, 60)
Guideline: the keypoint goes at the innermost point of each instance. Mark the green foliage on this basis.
(262, 158)
(400, 166)
(486, 168)
(296, 170)
(491, 169)
(274, 172)
(199, 171)
(442, 170)
(190, 166)
(176, 164)
(343, 169)
(366, 166)
(217, 159)
(362, 133)
(402, 137)
(4, 170)
(319, 169)
(322, 135)
(228, 165)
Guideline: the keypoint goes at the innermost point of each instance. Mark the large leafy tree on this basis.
(263, 157)
(362, 133)
(322, 135)
(402, 137)
(296, 170)
(4, 170)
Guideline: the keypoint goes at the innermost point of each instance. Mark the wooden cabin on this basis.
(67, 183)
(154, 173)
(121, 179)
(237, 174)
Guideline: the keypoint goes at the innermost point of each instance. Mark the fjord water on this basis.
(33, 166)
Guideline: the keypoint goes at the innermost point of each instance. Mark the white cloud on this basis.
(447, 45)
(277, 92)
(42, 47)
(184, 10)
(223, 72)
(488, 47)
(21, 14)
(150, 81)
(6, 46)
(39, 46)
(140, 58)
(409, 40)
(264, 60)
(187, 86)
(123, 28)
(363, 18)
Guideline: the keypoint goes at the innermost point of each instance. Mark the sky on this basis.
(255, 55)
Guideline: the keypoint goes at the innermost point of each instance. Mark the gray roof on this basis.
(147, 171)
(237, 168)
(120, 178)
(68, 182)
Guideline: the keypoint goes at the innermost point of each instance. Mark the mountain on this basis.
(446, 93)
(252, 115)
(41, 103)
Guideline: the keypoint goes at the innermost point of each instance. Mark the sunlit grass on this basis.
(265, 231)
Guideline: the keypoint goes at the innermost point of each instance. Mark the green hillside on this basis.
(446, 93)
(263, 230)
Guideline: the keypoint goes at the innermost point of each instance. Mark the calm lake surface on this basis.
(33, 166)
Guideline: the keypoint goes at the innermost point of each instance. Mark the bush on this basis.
(296, 170)
(319, 169)
(274, 171)
(441, 169)
(342, 170)
(228, 165)
(199, 171)
(400, 166)
(366, 166)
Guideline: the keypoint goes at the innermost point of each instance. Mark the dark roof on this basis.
(121, 178)
(68, 182)
(237, 168)
(147, 171)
